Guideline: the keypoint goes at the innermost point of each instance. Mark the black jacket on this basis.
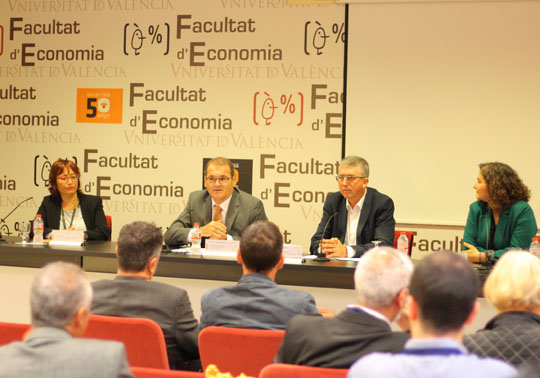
(510, 336)
(92, 212)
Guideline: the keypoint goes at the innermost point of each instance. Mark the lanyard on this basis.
(64, 218)
(433, 351)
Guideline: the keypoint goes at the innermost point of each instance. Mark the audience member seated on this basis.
(133, 294)
(513, 287)
(442, 300)
(381, 280)
(256, 301)
(60, 300)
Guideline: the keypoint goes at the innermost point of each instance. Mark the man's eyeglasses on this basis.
(213, 180)
(348, 178)
(70, 177)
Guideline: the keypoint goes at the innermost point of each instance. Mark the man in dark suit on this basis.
(133, 294)
(381, 279)
(222, 210)
(60, 301)
(257, 301)
(355, 216)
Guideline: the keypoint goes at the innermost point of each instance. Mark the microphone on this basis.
(3, 220)
(321, 257)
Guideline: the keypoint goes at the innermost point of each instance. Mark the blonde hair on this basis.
(514, 282)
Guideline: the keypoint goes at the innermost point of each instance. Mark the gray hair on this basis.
(137, 243)
(356, 161)
(380, 276)
(58, 292)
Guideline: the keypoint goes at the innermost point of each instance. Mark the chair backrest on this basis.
(238, 350)
(143, 338)
(140, 372)
(109, 224)
(10, 332)
(297, 371)
(410, 236)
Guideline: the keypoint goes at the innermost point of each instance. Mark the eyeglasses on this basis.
(348, 178)
(70, 177)
(213, 180)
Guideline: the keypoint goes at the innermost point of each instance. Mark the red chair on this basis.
(297, 371)
(109, 224)
(10, 332)
(140, 372)
(410, 236)
(238, 350)
(143, 338)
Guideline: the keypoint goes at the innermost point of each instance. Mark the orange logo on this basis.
(99, 105)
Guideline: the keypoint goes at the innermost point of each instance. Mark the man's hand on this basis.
(333, 248)
(214, 230)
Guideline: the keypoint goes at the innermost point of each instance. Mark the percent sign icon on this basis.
(154, 32)
(339, 32)
(287, 102)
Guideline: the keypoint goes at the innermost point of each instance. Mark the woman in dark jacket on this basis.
(67, 208)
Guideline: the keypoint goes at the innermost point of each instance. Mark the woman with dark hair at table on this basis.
(501, 218)
(513, 287)
(67, 208)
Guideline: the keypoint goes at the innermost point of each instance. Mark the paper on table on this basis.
(291, 250)
(222, 245)
(69, 236)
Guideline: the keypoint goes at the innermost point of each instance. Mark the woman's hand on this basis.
(473, 255)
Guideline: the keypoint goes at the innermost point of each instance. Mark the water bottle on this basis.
(534, 248)
(403, 243)
(196, 235)
(38, 229)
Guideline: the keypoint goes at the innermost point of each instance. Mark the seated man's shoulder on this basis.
(217, 293)
(294, 298)
(142, 284)
(198, 195)
(378, 195)
(303, 322)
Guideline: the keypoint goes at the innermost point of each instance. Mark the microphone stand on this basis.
(321, 257)
(3, 220)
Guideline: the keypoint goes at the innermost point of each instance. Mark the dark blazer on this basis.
(92, 212)
(510, 336)
(243, 210)
(336, 342)
(49, 352)
(376, 221)
(167, 305)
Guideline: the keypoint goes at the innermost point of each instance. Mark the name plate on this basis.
(291, 250)
(221, 245)
(67, 237)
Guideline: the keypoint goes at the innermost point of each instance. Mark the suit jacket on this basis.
(510, 336)
(243, 210)
(53, 353)
(92, 212)
(256, 302)
(515, 229)
(336, 342)
(167, 305)
(376, 221)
